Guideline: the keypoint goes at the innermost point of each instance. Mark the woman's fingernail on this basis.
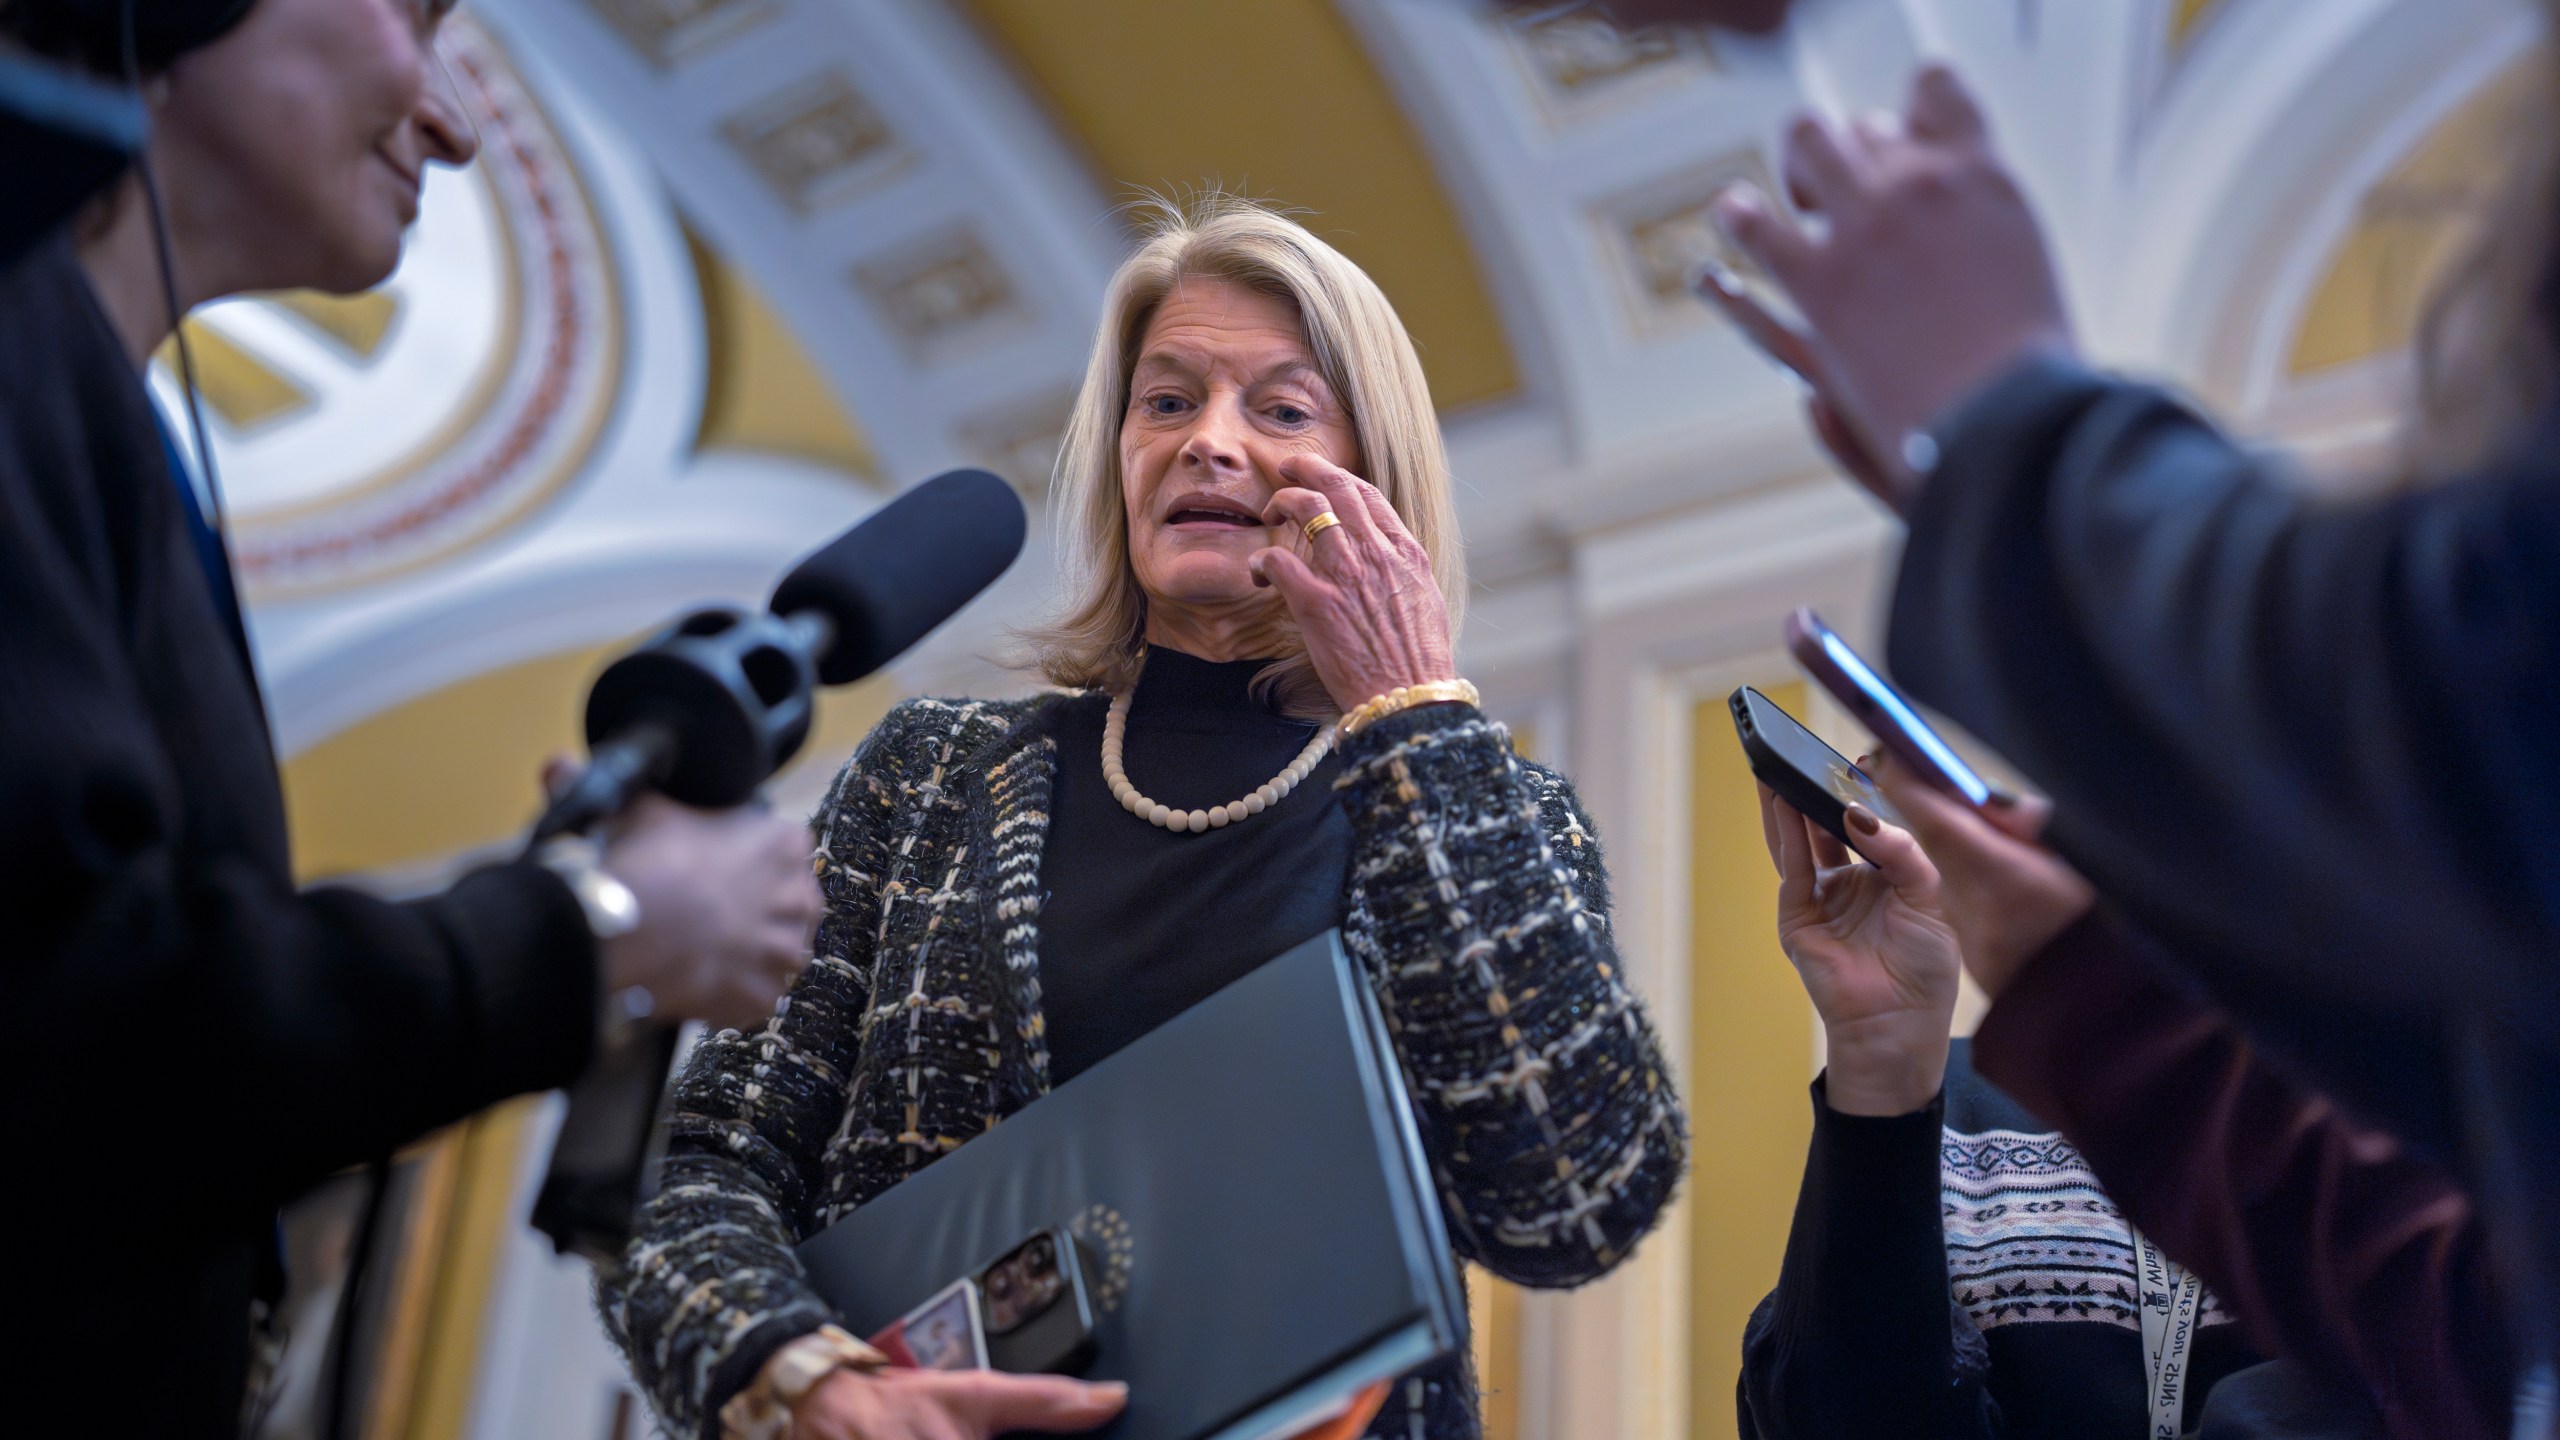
(2002, 799)
(1863, 820)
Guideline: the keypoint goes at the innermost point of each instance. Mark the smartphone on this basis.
(1809, 775)
(1881, 708)
(1038, 1304)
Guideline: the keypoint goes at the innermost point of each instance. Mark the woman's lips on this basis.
(1213, 519)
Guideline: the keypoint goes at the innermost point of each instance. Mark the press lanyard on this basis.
(2170, 1299)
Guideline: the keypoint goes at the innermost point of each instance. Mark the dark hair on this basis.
(91, 33)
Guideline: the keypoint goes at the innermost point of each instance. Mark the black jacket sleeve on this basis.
(187, 1036)
(1863, 1335)
(2305, 742)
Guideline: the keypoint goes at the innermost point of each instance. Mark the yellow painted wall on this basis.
(760, 389)
(1750, 1059)
(457, 769)
(1276, 99)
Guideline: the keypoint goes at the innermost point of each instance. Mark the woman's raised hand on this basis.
(1874, 951)
(2005, 893)
(1362, 592)
(950, 1405)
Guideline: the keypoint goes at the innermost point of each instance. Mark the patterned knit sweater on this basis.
(1476, 901)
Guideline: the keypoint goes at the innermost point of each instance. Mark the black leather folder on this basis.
(1250, 1190)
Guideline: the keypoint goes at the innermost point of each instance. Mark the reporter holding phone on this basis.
(2363, 1264)
(2304, 743)
(1953, 1270)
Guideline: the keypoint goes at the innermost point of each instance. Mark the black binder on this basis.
(1250, 1189)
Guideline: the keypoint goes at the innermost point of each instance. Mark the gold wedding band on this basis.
(1323, 522)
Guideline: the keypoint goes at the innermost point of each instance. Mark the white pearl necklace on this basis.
(1116, 727)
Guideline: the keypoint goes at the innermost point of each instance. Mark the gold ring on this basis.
(1323, 522)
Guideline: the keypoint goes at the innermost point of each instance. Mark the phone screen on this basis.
(1918, 730)
(1854, 682)
(1804, 752)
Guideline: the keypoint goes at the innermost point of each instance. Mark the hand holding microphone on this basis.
(727, 904)
(682, 731)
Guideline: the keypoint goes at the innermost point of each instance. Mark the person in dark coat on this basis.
(191, 1039)
(1955, 1270)
(2302, 743)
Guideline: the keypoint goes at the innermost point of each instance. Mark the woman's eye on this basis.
(1290, 415)
(1164, 404)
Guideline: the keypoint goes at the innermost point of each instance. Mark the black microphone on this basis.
(704, 712)
(709, 707)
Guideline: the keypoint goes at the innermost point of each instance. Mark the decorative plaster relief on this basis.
(942, 296)
(817, 144)
(671, 32)
(1579, 62)
(1020, 443)
(1661, 232)
(363, 437)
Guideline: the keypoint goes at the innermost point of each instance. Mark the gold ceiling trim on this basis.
(1276, 99)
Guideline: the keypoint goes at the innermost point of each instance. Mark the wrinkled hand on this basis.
(1361, 592)
(1932, 278)
(2006, 894)
(1875, 952)
(727, 907)
(950, 1405)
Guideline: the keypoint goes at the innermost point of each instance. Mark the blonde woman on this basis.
(1262, 735)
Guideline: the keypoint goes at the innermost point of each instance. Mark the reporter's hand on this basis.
(1874, 951)
(1932, 277)
(727, 904)
(2005, 893)
(950, 1405)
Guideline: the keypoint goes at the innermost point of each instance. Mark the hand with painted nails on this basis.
(1929, 277)
(1361, 591)
(2007, 896)
(1875, 953)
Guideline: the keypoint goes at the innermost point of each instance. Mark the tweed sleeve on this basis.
(711, 1285)
(1480, 906)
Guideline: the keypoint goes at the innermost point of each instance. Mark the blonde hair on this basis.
(1365, 356)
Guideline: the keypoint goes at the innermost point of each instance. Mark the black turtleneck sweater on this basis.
(1139, 923)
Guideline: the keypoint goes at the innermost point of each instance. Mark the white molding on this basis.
(1667, 616)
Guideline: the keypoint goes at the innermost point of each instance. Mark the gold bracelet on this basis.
(1404, 697)
(762, 1411)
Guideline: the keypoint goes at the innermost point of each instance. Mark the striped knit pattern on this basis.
(2031, 1237)
(1476, 902)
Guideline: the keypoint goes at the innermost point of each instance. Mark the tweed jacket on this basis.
(1475, 901)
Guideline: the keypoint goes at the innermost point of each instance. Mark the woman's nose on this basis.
(1216, 441)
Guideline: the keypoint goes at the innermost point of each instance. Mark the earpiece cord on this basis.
(216, 514)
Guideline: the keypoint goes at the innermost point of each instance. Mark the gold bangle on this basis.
(762, 1411)
(1405, 697)
(1324, 521)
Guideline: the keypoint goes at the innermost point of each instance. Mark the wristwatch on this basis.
(762, 1411)
(611, 910)
(578, 860)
